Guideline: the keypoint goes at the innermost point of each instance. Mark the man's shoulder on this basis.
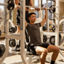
(38, 20)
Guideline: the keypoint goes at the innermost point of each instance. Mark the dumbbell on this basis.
(12, 42)
(60, 37)
(44, 28)
(44, 38)
(52, 9)
(18, 46)
(18, 17)
(52, 28)
(12, 29)
(52, 39)
(10, 5)
(2, 49)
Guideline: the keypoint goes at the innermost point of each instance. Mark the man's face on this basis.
(16, 2)
(32, 18)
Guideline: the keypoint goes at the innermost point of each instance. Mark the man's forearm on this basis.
(45, 17)
(46, 14)
(31, 2)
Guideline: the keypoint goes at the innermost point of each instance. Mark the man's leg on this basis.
(43, 53)
(55, 50)
(43, 56)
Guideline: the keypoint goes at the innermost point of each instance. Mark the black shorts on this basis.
(45, 45)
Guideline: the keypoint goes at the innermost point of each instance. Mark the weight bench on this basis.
(31, 51)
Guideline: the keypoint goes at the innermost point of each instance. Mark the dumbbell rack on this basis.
(6, 52)
(56, 33)
(20, 36)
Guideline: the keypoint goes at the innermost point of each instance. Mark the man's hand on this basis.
(45, 17)
(45, 8)
(38, 9)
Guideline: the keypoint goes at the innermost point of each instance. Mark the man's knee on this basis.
(56, 49)
(44, 54)
(46, 51)
(53, 48)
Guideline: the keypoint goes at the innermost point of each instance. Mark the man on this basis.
(34, 33)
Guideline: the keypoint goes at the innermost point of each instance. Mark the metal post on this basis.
(23, 53)
(57, 23)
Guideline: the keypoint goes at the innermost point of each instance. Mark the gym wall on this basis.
(61, 10)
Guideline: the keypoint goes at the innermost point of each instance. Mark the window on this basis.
(1, 1)
(36, 3)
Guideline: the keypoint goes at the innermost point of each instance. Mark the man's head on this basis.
(32, 17)
(16, 2)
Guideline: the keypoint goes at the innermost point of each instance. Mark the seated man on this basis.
(34, 33)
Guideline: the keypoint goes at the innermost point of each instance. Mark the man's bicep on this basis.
(43, 22)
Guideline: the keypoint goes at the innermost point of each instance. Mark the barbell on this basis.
(51, 9)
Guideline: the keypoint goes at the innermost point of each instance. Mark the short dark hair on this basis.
(31, 14)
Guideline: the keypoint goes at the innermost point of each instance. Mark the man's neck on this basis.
(31, 22)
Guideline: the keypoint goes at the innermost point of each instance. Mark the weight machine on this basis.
(14, 36)
(21, 36)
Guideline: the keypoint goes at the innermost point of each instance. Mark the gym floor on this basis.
(15, 58)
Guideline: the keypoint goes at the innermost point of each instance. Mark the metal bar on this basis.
(13, 36)
(49, 33)
(22, 44)
(3, 4)
(57, 23)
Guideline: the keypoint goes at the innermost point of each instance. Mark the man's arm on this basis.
(26, 24)
(31, 2)
(45, 18)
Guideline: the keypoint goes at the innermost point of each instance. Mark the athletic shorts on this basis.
(44, 45)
